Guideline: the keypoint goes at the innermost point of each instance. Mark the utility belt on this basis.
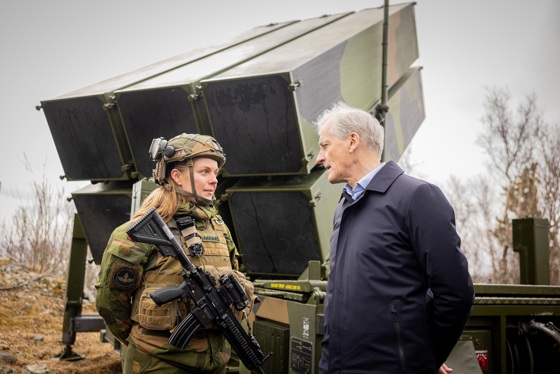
(202, 333)
(146, 341)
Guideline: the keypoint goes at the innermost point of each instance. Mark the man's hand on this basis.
(444, 369)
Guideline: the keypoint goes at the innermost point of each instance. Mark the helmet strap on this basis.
(194, 194)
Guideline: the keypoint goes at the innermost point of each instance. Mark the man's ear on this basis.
(354, 141)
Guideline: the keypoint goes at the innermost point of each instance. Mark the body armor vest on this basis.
(162, 271)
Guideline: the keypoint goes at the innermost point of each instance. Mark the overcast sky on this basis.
(50, 48)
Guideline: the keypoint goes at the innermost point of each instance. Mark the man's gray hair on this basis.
(344, 119)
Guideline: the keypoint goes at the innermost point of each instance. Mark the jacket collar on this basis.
(380, 182)
(385, 177)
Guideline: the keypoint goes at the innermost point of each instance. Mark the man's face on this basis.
(334, 155)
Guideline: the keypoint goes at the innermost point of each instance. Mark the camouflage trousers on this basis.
(170, 360)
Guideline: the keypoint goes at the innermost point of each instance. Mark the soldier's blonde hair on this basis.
(165, 199)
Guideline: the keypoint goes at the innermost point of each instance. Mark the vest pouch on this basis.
(154, 317)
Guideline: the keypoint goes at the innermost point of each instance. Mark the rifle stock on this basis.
(213, 304)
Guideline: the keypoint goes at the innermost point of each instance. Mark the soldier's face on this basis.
(205, 172)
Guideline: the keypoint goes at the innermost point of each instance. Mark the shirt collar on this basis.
(359, 189)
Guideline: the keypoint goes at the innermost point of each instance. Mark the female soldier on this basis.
(186, 170)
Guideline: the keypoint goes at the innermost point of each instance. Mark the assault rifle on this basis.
(212, 304)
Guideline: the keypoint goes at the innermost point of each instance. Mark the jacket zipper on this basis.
(399, 341)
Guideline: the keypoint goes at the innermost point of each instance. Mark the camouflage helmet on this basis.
(182, 148)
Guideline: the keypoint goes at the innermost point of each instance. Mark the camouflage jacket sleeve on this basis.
(119, 277)
(233, 253)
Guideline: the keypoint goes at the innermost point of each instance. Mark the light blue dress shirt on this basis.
(357, 191)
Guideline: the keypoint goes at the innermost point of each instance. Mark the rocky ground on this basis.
(31, 312)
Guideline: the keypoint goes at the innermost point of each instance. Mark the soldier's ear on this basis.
(176, 175)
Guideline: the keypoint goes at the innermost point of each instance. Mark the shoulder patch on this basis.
(125, 278)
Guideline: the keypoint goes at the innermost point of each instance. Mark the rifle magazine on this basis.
(189, 326)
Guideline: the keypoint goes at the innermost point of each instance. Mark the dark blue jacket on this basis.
(399, 292)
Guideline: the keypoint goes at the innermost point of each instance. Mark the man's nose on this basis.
(320, 157)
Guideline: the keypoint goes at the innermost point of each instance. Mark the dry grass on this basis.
(31, 327)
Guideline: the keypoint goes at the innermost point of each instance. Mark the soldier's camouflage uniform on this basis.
(131, 271)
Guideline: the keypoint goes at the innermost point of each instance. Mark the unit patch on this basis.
(125, 278)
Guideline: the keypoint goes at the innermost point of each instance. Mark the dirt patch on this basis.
(31, 313)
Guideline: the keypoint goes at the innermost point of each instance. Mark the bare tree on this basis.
(40, 231)
(524, 156)
(549, 193)
(508, 140)
(460, 197)
(475, 212)
(407, 162)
